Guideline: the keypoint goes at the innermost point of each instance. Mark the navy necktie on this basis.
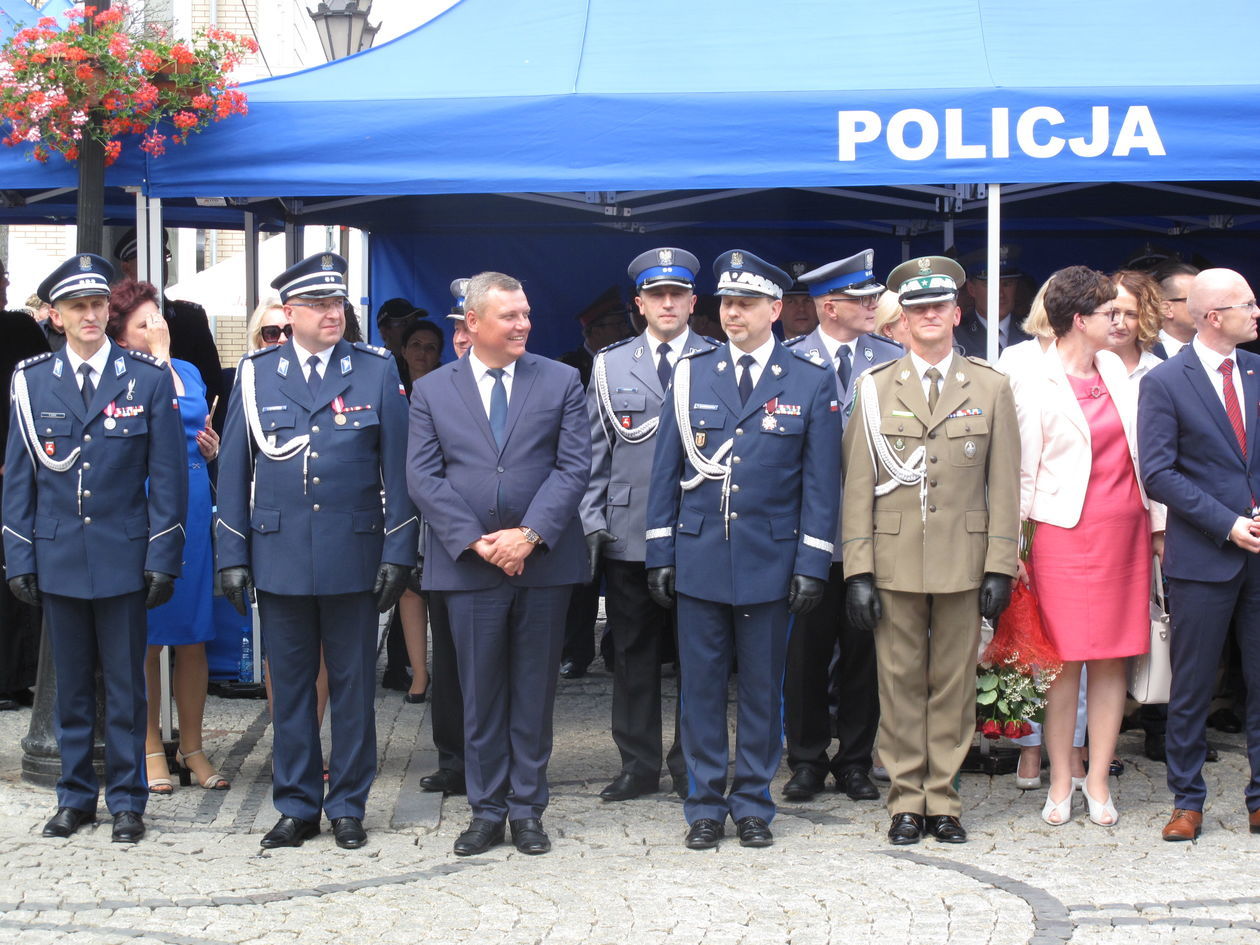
(89, 389)
(662, 366)
(745, 378)
(498, 405)
(843, 367)
(312, 378)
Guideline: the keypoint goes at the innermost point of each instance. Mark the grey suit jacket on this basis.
(868, 351)
(616, 498)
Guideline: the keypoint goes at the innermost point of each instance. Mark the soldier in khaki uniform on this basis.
(930, 522)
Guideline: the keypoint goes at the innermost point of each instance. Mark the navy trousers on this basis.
(1201, 616)
(709, 635)
(113, 632)
(508, 642)
(293, 629)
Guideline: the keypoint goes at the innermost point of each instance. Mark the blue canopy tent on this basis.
(558, 139)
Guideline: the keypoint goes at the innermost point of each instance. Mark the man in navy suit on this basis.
(741, 527)
(315, 429)
(498, 459)
(95, 495)
(1197, 442)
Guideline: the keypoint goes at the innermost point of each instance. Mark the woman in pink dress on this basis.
(1090, 563)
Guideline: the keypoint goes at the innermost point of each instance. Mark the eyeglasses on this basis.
(1248, 307)
(1111, 314)
(1181, 299)
(323, 306)
(271, 333)
(863, 301)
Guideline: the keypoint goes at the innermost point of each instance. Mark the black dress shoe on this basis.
(67, 820)
(444, 780)
(479, 836)
(7, 704)
(1154, 747)
(704, 834)
(946, 828)
(754, 832)
(572, 670)
(397, 679)
(1212, 754)
(905, 829)
(681, 785)
(128, 827)
(804, 783)
(349, 832)
(857, 784)
(627, 786)
(529, 836)
(415, 698)
(1225, 720)
(289, 832)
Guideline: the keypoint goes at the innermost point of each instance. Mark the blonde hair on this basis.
(1037, 323)
(253, 328)
(887, 311)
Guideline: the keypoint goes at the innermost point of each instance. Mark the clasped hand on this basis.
(506, 549)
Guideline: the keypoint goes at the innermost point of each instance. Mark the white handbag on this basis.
(1150, 675)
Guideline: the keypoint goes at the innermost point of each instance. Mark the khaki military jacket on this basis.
(940, 535)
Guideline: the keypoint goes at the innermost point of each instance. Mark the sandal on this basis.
(1103, 813)
(213, 782)
(159, 787)
(1057, 814)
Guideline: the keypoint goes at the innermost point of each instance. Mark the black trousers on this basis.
(446, 699)
(640, 630)
(815, 637)
(579, 625)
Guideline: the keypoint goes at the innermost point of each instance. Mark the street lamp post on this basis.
(343, 27)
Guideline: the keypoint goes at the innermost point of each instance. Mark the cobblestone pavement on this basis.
(619, 872)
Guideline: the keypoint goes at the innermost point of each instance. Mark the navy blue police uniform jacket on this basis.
(741, 544)
(87, 528)
(301, 477)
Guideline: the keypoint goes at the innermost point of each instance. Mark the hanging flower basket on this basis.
(100, 78)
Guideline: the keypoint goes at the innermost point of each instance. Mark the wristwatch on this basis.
(531, 536)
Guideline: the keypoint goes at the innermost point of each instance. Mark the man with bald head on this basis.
(1197, 443)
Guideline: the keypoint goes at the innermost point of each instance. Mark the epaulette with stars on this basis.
(34, 359)
(699, 351)
(808, 358)
(617, 344)
(263, 350)
(372, 349)
(145, 358)
(796, 340)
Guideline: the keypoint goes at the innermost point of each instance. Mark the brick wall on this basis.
(229, 336)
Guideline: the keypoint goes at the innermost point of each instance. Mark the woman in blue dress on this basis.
(184, 623)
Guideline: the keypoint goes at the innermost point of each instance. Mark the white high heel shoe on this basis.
(1057, 814)
(1102, 813)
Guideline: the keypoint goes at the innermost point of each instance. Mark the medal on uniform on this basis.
(131, 389)
(701, 438)
(110, 422)
(50, 447)
(339, 411)
(899, 444)
(969, 449)
(768, 423)
(626, 421)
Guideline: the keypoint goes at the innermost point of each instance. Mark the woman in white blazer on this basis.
(1091, 550)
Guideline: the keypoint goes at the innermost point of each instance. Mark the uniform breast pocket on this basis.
(702, 420)
(359, 431)
(276, 420)
(127, 442)
(783, 437)
(629, 403)
(619, 493)
(53, 428)
(968, 440)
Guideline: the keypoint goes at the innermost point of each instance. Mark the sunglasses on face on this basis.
(271, 333)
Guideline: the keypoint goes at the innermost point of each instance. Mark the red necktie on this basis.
(1231, 403)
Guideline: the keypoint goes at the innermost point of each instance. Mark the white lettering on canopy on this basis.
(914, 134)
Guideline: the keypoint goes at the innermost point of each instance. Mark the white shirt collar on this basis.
(97, 362)
(479, 368)
(833, 346)
(761, 355)
(921, 367)
(1171, 344)
(1211, 359)
(303, 356)
(675, 346)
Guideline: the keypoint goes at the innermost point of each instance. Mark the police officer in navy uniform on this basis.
(316, 427)
(628, 383)
(740, 530)
(90, 427)
(971, 337)
(845, 293)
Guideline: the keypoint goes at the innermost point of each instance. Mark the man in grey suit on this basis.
(497, 461)
(628, 384)
(845, 293)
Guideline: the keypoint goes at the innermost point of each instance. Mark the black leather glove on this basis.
(25, 587)
(391, 581)
(416, 575)
(995, 594)
(238, 586)
(804, 593)
(159, 588)
(595, 542)
(861, 602)
(660, 583)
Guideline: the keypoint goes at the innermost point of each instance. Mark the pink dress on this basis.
(1093, 581)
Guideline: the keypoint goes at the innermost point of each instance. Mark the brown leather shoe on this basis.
(1253, 820)
(1184, 824)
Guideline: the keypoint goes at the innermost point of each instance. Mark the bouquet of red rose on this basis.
(1015, 670)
